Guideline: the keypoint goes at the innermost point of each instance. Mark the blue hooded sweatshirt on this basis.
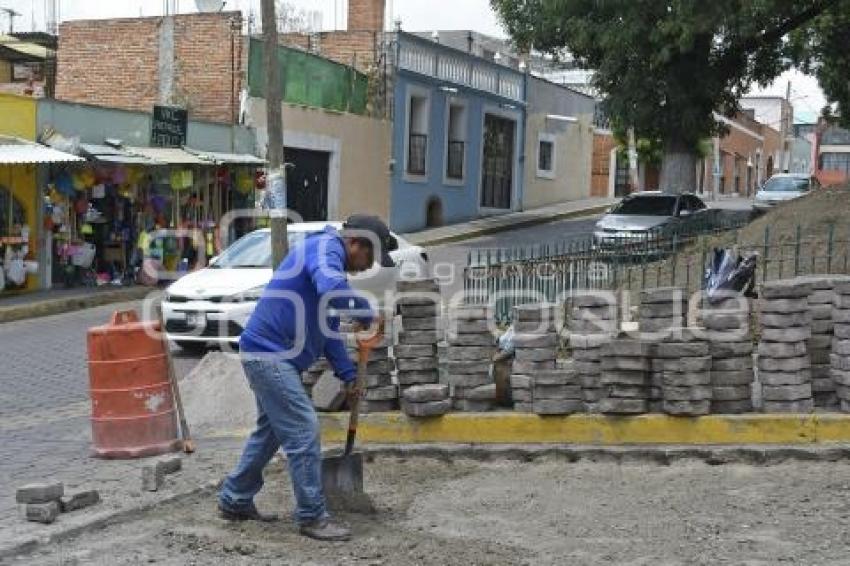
(313, 268)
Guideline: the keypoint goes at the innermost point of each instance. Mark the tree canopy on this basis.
(664, 67)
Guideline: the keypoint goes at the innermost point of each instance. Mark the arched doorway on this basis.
(434, 213)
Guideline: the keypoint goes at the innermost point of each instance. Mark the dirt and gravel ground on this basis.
(546, 512)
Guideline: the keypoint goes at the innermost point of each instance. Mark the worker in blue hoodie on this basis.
(294, 323)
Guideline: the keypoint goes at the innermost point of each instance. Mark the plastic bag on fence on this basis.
(506, 341)
(728, 272)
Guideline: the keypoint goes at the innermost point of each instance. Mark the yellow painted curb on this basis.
(601, 430)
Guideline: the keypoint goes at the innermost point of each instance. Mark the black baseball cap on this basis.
(373, 224)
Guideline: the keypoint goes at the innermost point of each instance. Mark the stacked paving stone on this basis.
(380, 393)
(535, 350)
(556, 391)
(661, 310)
(820, 344)
(783, 359)
(471, 347)
(727, 329)
(427, 400)
(840, 354)
(685, 366)
(625, 376)
(592, 322)
(416, 353)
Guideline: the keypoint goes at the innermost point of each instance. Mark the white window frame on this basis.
(414, 91)
(542, 138)
(457, 102)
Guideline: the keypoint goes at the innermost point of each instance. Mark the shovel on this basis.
(342, 474)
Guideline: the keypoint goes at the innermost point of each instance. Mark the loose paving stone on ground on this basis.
(785, 379)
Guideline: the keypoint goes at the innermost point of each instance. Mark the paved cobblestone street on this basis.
(44, 411)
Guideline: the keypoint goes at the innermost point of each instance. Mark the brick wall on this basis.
(355, 48)
(366, 15)
(115, 63)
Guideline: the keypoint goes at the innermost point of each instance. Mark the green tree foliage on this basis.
(823, 49)
(664, 67)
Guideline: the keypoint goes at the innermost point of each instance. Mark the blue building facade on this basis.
(458, 136)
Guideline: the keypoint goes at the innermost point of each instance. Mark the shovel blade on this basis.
(342, 474)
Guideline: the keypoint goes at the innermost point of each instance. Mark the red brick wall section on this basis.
(114, 63)
(109, 63)
(354, 48)
(366, 15)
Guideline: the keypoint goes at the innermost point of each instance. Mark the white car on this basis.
(212, 305)
(782, 188)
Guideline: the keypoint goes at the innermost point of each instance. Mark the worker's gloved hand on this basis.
(352, 390)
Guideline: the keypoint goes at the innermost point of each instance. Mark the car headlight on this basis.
(249, 296)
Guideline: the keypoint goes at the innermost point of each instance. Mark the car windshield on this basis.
(252, 250)
(786, 184)
(647, 206)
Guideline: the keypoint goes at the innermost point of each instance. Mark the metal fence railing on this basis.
(510, 277)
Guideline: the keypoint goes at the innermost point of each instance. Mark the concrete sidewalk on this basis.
(57, 301)
(508, 221)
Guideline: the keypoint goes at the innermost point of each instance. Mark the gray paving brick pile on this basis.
(587, 363)
(592, 321)
(625, 366)
(684, 361)
(557, 391)
(727, 328)
(662, 309)
(840, 346)
(784, 366)
(536, 346)
(471, 347)
(820, 302)
(590, 313)
(416, 359)
(428, 400)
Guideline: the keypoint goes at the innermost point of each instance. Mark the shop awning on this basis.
(14, 151)
(167, 155)
(109, 154)
(220, 158)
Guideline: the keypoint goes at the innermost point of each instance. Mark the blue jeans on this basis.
(285, 419)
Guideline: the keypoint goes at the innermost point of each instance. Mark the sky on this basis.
(415, 15)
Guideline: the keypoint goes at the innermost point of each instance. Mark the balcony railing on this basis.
(416, 154)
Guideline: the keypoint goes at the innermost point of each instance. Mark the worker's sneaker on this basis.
(326, 530)
(247, 514)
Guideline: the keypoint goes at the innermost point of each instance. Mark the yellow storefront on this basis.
(21, 244)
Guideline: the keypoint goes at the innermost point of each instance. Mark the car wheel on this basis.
(191, 347)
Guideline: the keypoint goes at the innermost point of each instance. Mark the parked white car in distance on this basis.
(782, 188)
(213, 305)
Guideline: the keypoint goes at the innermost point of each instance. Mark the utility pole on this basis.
(12, 15)
(275, 173)
(786, 128)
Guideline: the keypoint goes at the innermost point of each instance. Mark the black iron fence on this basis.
(508, 277)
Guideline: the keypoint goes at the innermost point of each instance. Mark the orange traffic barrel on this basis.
(133, 412)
